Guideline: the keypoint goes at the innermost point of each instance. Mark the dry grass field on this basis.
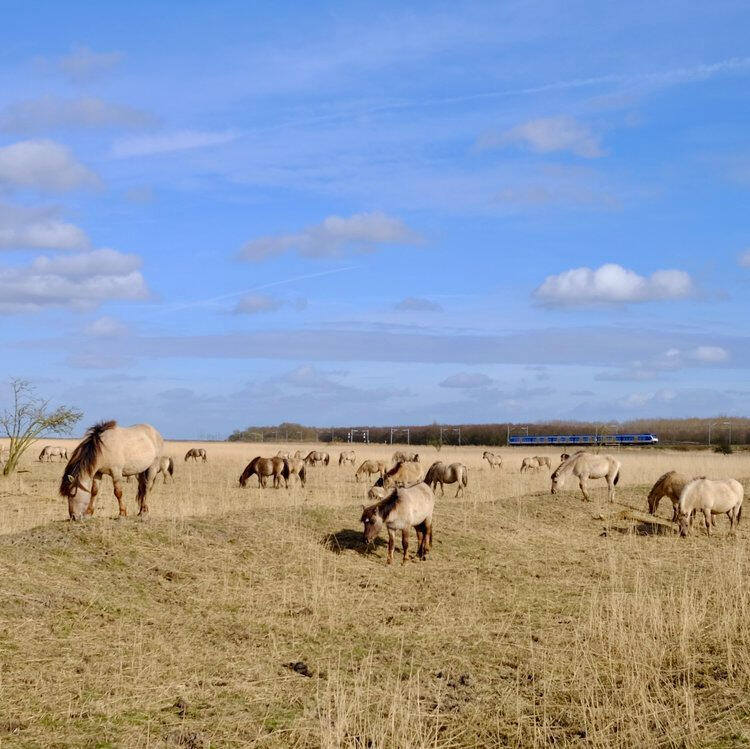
(255, 618)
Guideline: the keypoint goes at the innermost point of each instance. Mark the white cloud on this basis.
(82, 63)
(53, 113)
(612, 284)
(335, 236)
(744, 259)
(181, 140)
(467, 380)
(38, 228)
(548, 134)
(42, 164)
(416, 304)
(710, 354)
(79, 281)
(106, 327)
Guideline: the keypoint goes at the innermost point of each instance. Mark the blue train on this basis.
(585, 439)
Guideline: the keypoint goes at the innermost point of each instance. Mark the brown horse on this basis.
(401, 509)
(316, 456)
(669, 485)
(346, 457)
(402, 474)
(195, 453)
(369, 467)
(263, 468)
(110, 450)
(440, 473)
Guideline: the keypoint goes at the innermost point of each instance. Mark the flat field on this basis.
(256, 618)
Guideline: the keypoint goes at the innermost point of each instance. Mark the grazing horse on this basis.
(263, 468)
(315, 456)
(669, 485)
(399, 510)
(402, 474)
(282, 454)
(369, 467)
(533, 464)
(295, 467)
(492, 459)
(440, 473)
(585, 466)
(401, 457)
(166, 467)
(49, 452)
(195, 453)
(297, 454)
(347, 457)
(110, 450)
(711, 498)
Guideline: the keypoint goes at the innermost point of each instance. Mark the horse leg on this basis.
(582, 484)
(709, 521)
(442, 489)
(116, 483)
(404, 543)
(610, 489)
(94, 492)
(420, 539)
(391, 545)
(426, 538)
(675, 510)
(146, 482)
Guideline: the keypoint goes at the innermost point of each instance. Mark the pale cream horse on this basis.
(711, 497)
(440, 473)
(534, 464)
(495, 461)
(585, 466)
(49, 452)
(110, 450)
(347, 457)
(400, 510)
(669, 485)
(369, 467)
(402, 474)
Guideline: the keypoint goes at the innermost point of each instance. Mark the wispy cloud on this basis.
(612, 284)
(83, 64)
(253, 304)
(178, 140)
(335, 236)
(417, 304)
(548, 134)
(51, 113)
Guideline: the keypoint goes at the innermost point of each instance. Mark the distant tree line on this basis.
(669, 431)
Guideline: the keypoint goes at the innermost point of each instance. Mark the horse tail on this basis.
(142, 487)
(302, 473)
(170, 468)
(616, 478)
(465, 477)
(84, 457)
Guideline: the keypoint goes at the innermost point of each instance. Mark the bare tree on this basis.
(30, 416)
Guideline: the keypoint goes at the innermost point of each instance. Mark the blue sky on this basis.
(375, 212)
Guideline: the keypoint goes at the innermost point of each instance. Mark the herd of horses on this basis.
(403, 496)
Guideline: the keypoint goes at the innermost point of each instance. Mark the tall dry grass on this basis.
(256, 618)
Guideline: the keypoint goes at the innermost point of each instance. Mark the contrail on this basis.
(232, 295)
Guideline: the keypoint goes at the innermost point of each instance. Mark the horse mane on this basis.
(387, 503)
(566, 465)
(83, 459)
(249, 470)
(431, 471)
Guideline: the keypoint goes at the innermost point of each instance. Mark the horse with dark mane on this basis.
(110, 450)
(401, 509)
(316, 456)
(49, 452)
(669, 485)
(440, 473)
(195, 453)
(265, 467)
